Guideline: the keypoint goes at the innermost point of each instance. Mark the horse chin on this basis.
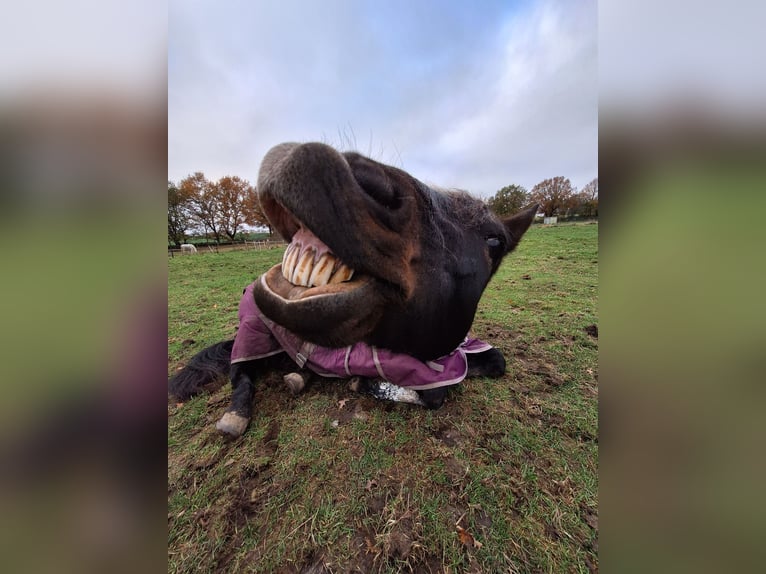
(333, 315)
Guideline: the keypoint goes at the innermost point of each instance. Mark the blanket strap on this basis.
(304, 353)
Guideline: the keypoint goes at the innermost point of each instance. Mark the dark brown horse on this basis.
(378, 262)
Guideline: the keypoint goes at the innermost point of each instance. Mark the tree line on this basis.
(222, 208)
(556, 196)
(219, 208)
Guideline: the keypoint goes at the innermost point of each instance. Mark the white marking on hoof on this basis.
(398, 394)
(232, 424)
(295, 382)
(386, 391)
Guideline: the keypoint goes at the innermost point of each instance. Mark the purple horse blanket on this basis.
(259, 337)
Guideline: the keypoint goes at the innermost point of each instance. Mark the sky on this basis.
(458, 96)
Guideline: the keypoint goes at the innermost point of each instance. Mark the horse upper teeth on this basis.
(322, 270)
(288, 261)
(306, 270)
(303, 268)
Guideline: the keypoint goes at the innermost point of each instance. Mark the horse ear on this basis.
(518, 224)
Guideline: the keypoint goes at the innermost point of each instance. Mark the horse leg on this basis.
(489, 363)
(433, 398)
(384, 390)
(237, 416)
(296, 381)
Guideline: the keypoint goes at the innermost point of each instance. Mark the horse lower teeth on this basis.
(344, 273)
(305, 270)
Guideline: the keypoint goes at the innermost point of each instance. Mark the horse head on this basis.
(375, 255)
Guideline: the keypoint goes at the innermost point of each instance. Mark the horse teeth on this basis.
(303, 268)
(285, 255)
(344, 273)
(322, 271)
(289, 260)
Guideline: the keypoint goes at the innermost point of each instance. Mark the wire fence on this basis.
(220, 248)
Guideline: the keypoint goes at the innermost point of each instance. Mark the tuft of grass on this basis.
(367, 486)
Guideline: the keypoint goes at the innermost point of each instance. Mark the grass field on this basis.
(332, 481)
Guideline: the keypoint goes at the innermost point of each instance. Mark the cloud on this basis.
(459, 97)
(535, 115)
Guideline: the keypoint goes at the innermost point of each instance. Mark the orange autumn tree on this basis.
(234, 199)
(254, 214)
(554, 195)
(203, 198)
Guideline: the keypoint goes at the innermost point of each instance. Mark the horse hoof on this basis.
(354, 384)
(232, 424)
(295, 382)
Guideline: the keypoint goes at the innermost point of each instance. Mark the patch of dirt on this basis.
(227, 555)
(554, 420)
(483, 520)
(399, 542)
(552, 532)
(581, 435)
(562, 490)
(271, 438)
(590, 544)
(210, 460)
(520, 490)
(348, 409)
(448, 435)
(489, 331)
(394, 539)
(592, 330)
(376, 503)
(590, 516)
(314, 565)
(455, 470)
(253, 486)
(543, 369)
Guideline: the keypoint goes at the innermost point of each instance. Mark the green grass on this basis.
(514, 460)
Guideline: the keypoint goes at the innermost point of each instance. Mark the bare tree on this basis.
(590, 191)
(554, 195)
(587, 199)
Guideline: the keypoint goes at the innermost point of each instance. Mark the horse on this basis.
(188, 248)
(379, 284)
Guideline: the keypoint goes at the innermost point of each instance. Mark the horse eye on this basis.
(493, 242)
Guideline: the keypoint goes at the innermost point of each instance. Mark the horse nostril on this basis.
(384, 195)
(374, 181)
